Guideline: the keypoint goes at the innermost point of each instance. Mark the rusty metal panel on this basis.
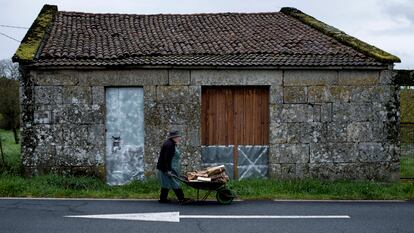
(124, 135)
(253, 161)
(218, 155)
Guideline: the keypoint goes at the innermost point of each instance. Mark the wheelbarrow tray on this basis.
(224, 195)
(204, 185)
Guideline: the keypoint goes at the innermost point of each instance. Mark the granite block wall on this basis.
(328, 124)
(335, 125)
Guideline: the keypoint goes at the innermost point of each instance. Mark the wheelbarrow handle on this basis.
(178, 178)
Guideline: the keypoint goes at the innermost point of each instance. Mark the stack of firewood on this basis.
(210, 174)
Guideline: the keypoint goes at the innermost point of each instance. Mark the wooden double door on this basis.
(235, 116)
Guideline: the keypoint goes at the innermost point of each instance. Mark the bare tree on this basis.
(9, 70)
(9, 95)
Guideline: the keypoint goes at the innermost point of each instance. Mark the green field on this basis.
(12, 184)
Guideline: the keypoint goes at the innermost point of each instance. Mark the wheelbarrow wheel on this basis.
(225, 196)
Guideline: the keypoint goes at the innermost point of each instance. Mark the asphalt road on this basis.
(31, 215)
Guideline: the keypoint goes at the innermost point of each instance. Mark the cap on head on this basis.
(174, 134)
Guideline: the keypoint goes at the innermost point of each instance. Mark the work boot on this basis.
(164, 196)
(179, 193)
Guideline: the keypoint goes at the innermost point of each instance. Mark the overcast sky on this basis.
(387, 24)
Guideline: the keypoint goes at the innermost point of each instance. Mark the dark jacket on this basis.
(166, 154)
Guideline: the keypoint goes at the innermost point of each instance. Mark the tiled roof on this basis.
(224, 39)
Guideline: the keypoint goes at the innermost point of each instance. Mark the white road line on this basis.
(264, 216)
(340, 201)
(175, 216)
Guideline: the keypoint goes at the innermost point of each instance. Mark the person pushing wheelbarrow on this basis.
(169, 166)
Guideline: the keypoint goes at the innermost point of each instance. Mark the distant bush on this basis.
(10, 105)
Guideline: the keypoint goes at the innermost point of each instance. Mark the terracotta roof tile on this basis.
(225, 39)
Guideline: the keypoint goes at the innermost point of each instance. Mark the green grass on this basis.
(407, 166)
(14, 185)
(12, 153)
(86, 187)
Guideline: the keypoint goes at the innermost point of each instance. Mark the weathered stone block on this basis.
(135, 77)
(337, 132)
(295, 94)
(76, 156)
(373, 152)
(179, 77)
(76, 95)
(371, 94)
(322, 94)
(79, 113)
(344, 152)
(55, 78)
(362, 94)
(320, 153)
(309, 77)
(313, 132)
(324, 171)
(317, 108)
(96, 135)
(339, 93)
(174, 114)
(344, 112)
(75, 135)
(274, 170)
(173, 94)
(45, 134)
(326, 112)
(98, 95)
(358, 78)
(48, 95)
(361, 132)
(195, 96)
(318, 94)
(302, 170)
(285, 133)
(236, 77)
(297, 113)
(287, 171)
(43, 155)
(276, 94)
(150, 95)
(289, 153)
(275, 112)
(380, 111)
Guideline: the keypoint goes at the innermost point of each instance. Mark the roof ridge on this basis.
(341, 36)
(175, 14)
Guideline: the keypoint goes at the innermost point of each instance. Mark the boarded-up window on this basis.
(235, 116)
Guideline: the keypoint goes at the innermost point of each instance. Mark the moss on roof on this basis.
(34, 36)
(341, 36)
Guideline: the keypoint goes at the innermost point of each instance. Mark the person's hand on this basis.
(169, 173)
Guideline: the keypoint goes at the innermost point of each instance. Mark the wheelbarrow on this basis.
(224, 195)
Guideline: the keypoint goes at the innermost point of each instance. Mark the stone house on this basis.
(276, 94)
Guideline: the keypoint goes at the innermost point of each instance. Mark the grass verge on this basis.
(253, 189)
(407, 166)
(11, 153)
(13, 185)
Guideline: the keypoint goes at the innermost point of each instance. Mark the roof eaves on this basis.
(35, 35)
(341, 36)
